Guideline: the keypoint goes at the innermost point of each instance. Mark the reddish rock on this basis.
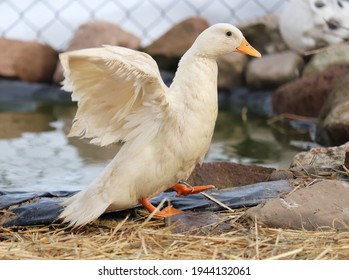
(307, 95)
(95, 34)
(170, 47)
(28, 61)
(333, 124)
(229, 174)
(176, 41)
(321, 206)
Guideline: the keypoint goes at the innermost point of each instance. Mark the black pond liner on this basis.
(35, 208)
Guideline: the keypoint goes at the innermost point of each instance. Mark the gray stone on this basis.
(95, 34)
(324, 157)
(274, 70)
(336, 125)
(321, 206)
(231, 69)
(333, 124)
(337, 54)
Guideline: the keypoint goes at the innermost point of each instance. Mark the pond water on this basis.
(36, 155)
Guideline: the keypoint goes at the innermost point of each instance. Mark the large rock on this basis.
(28, 61)
(95, 34)
(231, 69)
(333, 125)
(229, 174)
(321, 157)
(328, 57)
(170, 47)
(263, 34)
(321, 206)
(306, 96)
(273, 70)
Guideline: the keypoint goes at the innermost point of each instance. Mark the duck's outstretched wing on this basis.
(119, 91)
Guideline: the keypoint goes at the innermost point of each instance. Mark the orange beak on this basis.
(246, 48)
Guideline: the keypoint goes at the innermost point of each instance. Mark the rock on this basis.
(95, 34)
(321, 206)
(228, 174)
(307, 95)
(263, 34)
(230, 70)
(324, 157)
(308, 25)
(335, 128)
(28, 61)
(328, 57)
(169, 48)
(273, 70)
(333, 124)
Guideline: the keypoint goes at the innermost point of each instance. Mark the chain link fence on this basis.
(54, 22)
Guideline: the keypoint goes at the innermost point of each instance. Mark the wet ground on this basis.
(36, 155)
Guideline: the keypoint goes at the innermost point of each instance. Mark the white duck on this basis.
(165, 131)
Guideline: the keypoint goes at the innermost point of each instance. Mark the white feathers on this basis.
(110, 84)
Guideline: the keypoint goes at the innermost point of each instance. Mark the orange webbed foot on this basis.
(168, 212)
(164, 213)
(185, 189)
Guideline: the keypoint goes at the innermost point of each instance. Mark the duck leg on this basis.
(183, 188)
(166, 212)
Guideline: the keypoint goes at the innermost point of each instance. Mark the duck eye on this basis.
(229, 33)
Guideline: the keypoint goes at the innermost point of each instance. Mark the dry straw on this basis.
(144, 238)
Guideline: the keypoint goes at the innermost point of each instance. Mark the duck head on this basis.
(220, 39)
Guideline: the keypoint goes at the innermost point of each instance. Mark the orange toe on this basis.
(182, 189)
(166, 212)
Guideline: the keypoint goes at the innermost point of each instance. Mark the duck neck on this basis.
(196, 77)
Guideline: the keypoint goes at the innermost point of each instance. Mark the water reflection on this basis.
(13, 124)
(248, 141)
(37, 155)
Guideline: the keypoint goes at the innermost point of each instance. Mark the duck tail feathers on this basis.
(83, 208)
